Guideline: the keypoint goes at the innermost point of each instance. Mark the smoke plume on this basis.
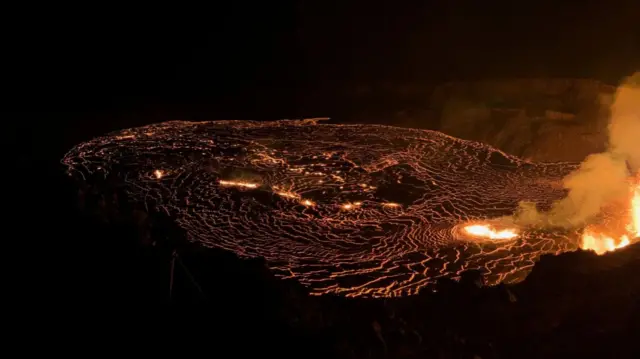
(602, 178)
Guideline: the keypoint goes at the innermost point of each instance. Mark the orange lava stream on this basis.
(602, 243)
(486, 231)
(238, 184)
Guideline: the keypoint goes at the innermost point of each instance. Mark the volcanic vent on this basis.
(350, 209)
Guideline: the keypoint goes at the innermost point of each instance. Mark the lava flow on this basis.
(357, 210)
(602, 242)
(487, 231)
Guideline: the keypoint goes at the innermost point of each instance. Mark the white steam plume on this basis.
(602, 178)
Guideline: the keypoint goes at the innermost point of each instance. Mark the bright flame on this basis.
(635, 212)
(602, 243)
(308, 203)
(485, 230)
(158, 174)
(238, 184)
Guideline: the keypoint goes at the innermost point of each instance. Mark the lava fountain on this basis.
(603, 242)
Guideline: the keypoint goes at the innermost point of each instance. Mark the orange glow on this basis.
(635, 212)
(238, 184)
(602, 243)
(308, 203)
(158, 174)
(288, 194)
(486, 231)
(126, 137)
(391, 204)
(348, 206)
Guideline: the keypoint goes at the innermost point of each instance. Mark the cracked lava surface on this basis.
(356, 210)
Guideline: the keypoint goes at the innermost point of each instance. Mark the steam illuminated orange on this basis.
(601, 243)
(635, 212)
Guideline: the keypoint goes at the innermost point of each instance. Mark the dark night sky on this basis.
(77, 67)
(449, 39)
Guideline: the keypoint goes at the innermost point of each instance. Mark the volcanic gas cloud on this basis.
(604, 192)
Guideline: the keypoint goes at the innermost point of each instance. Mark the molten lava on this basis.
(486, 231)
(308, 203)
(601, 243)
(355, 210)
(238, 184)
(288, 195)
(391, 204)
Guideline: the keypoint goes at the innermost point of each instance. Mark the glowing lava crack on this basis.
(487, 231)
(350, 209)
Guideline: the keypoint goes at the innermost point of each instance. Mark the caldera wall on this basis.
(541, 119)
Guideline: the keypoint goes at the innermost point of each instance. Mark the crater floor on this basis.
(356, 210)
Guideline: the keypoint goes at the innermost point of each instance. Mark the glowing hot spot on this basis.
(238, 184)
(288, 195)
(486, 231)
(602, 243)
(158, 174)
